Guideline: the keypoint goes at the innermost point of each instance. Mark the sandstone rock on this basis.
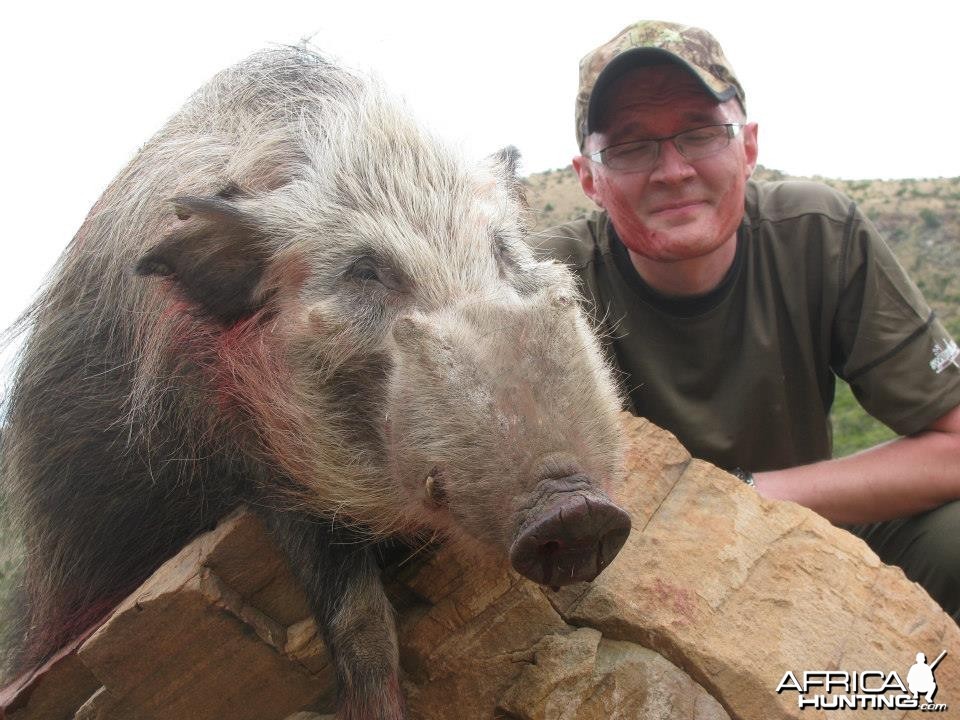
(189, 645)
(716, 595)
(584, 675)
(738, 590)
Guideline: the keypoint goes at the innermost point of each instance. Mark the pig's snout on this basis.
(572, 540)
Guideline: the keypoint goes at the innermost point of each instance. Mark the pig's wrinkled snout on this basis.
(573, 540)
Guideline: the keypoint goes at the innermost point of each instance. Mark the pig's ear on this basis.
(215, 256)
(508, 159)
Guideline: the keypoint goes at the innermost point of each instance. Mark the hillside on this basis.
(920, 220)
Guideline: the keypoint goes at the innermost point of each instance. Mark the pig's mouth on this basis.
(573, 532)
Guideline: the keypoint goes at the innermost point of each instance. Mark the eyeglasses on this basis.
(642, 155)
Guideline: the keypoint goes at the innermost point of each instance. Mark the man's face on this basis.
(679, 209)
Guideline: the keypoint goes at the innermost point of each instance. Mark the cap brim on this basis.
(643, 57)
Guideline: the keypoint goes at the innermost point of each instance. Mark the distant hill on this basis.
(920, 220)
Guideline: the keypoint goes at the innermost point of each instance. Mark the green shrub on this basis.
(931, 221)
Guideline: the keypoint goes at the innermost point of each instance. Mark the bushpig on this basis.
(297, 298)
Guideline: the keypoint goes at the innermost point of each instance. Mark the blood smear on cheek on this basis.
(631, 230)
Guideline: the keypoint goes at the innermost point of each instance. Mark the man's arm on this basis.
(899, 478)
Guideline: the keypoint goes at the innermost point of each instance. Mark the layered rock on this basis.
(717, 594)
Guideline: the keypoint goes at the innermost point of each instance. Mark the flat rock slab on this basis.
(214, 633)
(715, 597)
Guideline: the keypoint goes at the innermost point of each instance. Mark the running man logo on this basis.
(866, 689)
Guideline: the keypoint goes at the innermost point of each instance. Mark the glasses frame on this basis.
(733, 129)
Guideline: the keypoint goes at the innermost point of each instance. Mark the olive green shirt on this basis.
(744, 375)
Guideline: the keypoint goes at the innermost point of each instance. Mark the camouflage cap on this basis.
(652, 42)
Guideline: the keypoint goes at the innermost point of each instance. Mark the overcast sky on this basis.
(841, 88)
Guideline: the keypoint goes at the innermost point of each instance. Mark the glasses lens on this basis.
(634, 156)
(702, 142)
(641, 156)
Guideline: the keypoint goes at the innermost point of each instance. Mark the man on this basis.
(732, 304)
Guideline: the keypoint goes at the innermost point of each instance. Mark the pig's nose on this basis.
(573, 541)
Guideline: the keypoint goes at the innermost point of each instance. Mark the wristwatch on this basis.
(744, 475)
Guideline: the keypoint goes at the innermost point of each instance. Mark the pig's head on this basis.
(501, 422)
(402, 358)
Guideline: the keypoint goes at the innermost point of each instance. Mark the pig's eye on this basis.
(366, 270)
